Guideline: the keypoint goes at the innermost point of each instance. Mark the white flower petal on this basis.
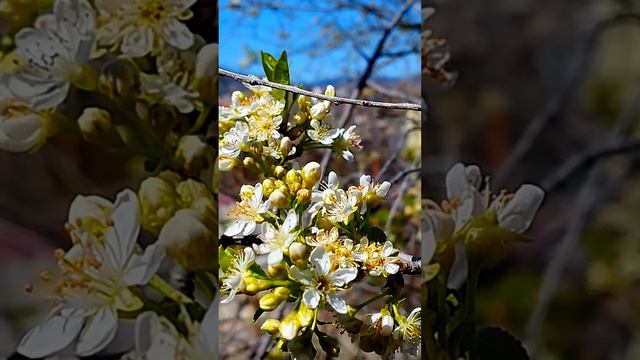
(209, 329)
(391, 268)
(177, 34)
(343, 276)
(456, 181)
(518, 214)
(98, 333)
(337, 303)
(320, 260)
(126, 222)
(51, 336)
(311, 298)
(140, 269)
(137, 41)
(235, 228)
(304, 276)
(275, 257)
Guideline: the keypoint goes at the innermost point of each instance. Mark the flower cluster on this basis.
(315, 236)
(259, 131)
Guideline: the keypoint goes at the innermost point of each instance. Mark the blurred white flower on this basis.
(140, 27)
(56, 49)
(95, 286)
(21, 128)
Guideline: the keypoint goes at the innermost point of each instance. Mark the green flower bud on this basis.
(191, 190)
(301, 118)
(158, 202)
(96, 127)
(249, 162)
(269, 302)
(279, 199)
(279, 172)
(271, 326)
(303, 196)
(293, 180)
(289, 326)
(268, 186)
(304, 103)
(330, 91)
(278, 271)
(286, 145)
(305, 315)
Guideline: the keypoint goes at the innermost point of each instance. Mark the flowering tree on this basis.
(132, 77)
(316, 234)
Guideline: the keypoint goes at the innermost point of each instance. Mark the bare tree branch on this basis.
(253, 80)
(583, 160)
(402, 174)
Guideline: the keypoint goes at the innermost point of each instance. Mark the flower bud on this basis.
(279, 172)
(193, 154)
(286, 145)
(311, 174)
(226, 164)
(304, 103)
(119, 79)
(21, 128)
(293, 180)
(299, 254)
(206, 72)
(303, 196)
(188, 240)
(305, 315)
(270, 301)
(158, 203)
(279, 199)
(320, 110)
(255, 285)
(190, 191)
(277, 271)
(96, 127)
(282, 292)
(289, 326)
(330, 91)
(267, 187)
(300, 118)
(249, 162)
(270, 326)
(324, 223)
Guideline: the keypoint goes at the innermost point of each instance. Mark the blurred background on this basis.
(359, 48)
(547, 92)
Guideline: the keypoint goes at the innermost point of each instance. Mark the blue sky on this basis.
(239, 33)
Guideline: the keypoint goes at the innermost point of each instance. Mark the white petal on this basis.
(249, 228)
(320, 260)
(520, 211)
(471, 206)
(137, 41)
(141, 268)
(456, 181)
(177, 34)
(290, 221)
(275, 257)
(311, 298)
(209, 328)
(235, 228)
(229, 297)
(337, 303)
(98, 333)
(391, 268)
(53, 335)
(146, 323)
(343, 276)
(126, 223)
(304, 276)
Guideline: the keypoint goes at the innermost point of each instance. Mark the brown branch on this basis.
(555, 105)
(253, 80)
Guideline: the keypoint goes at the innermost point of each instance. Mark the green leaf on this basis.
(269, 65)
(281, 71)
(256, 271)
(225, 257)
(494, 343)
(376, 234)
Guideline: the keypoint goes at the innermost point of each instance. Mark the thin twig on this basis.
(404, 173)
(393, 92)
(554, 106)
(253, 80)
(583, 160)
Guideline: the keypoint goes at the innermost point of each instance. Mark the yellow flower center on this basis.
(15, 109)
(153, 12)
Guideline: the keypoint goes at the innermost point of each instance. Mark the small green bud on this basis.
(279, 172)
(268, 186)
(270, 301)
(279, 199)
(270, 326)
(293, 180)
(96, 127)
(303, 196)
